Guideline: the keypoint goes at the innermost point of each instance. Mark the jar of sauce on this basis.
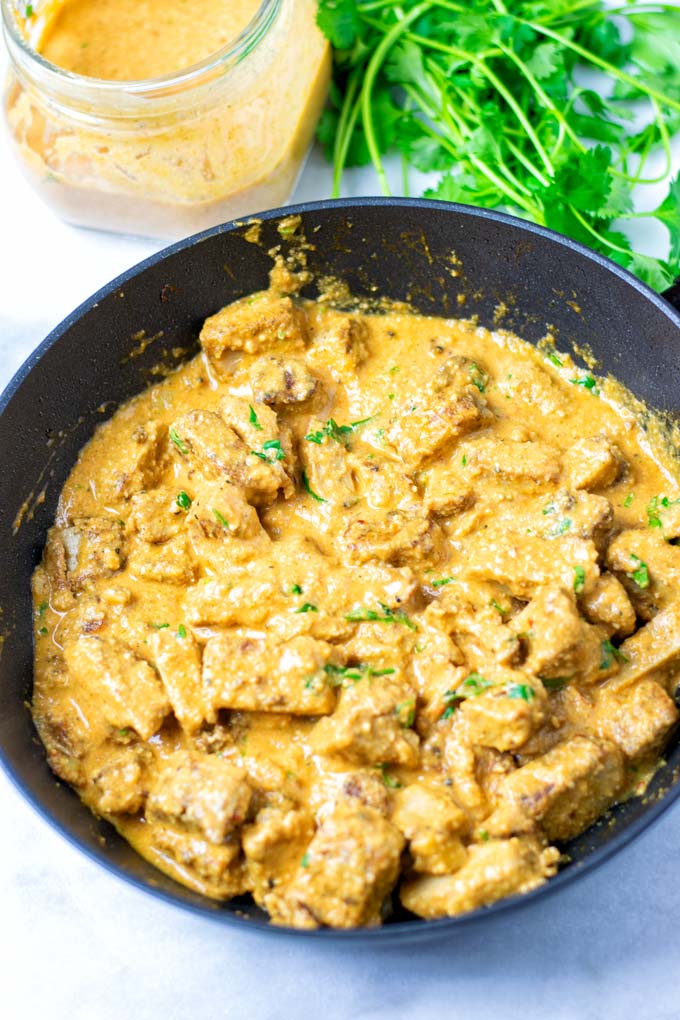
(163, 117)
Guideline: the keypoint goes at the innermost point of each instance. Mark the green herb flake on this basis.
(483, 835)
(304, 862)
(641, 573)
(463, 460)
(588, 382)
(160, 626)
(406, 713)
(42, 608)
(579, 579)
(220, 518)
(43, 630)
(550, 508)
(478, 377)
(555, 683)
(520, 691)
(253, 419)
(391, 782)
(339, 433)
(387, 615)
(183, 500)
(442, 581)
(499, 608)
(181, 631)
(310, 491)
(629, 499)
(611, 653)
(29, 10)
(307, 607)
(271, 452)
(295, 589)
(555, 360)
(179, 443)
(561, 527)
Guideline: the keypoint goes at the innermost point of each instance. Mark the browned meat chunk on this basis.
(214, 870)
(339, 346)
(532, 464)
(593, 463)
(261, 675)
(653, 650)
(274, 845)
(367, 787)
(275, 380)
(119, 785)
(217, 451)
(327, 469)
(608, 604)
(648, 567)
(580, 514)
(505, 715)
(260, 322)
(558, 642)
(399, 537)
(447, 493)
(439, 420)
(564, 790)
(168, 562)
(178, 660)
(201, 793)
(154, 517)
(371, 723)
(492, 870)
(433, 825)
(143, 458)
(637, 719)
(89, 548)
(126, 689)
(346, 873)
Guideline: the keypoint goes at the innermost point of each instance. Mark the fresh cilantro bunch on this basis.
(490, 94)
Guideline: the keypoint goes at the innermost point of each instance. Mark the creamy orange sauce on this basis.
(125, 40)
(352, 607)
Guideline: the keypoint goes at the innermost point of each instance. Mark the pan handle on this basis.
(672, 295)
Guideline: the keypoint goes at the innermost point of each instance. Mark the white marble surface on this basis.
(77, 944)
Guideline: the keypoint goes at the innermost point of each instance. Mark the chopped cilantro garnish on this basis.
(181, 631)
(629, 499)
(555, 683)
(179, 443)
(271, 451)
(478, 377)
(555, 360)
(561, 527)
(220, 518)
(29, 10)
(523, 691)
(307, 607)
(388, 615)
(549, 508)
(253, 419)
(43, 630)
(641, 573)
(463, 460)
(406, 713)
(579, 579)
(42, 608)
(308, 488)
(331, 430)
(474, 685)
(304, 861)
(160, 626)
(295, 589)
(442, 581)
(588, 382)
(390, 781)
(483, 835)
(609, 653)
(499, 608)
(183, 500)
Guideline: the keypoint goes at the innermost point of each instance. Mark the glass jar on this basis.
(168, 156)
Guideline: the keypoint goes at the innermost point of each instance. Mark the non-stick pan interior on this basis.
(444, 260)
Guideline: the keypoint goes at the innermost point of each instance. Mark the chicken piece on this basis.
(84, 551)
(653, 650)
(492, 871)
(565, 790)
(125, 689)
(348, 869)
(369, 724)
(667, 510)
(558, 642)
(580, 514)
(274, 845)
(214, 870)
(593, 463)
(437, 667)
(223, 529)
(384, 484)
(218, 452)
(398, 537)
(178, 661)
(154, 517)
(637, 718)
(120, 785)
(368, 788)
(243, 597)
(67, 732)
(505, 715)
(168, 562)
(531, 465)
(275, 380)
(525, 562)
(260, 431)
(142, 454)
(259, 322)
(607, 603)
(446, 493)
(474, 612)
(200, 792)
(261, 675)
(438, 421)
(461, 761)
(648, 567)
(327, 469)
(339, 346)
(433, 825)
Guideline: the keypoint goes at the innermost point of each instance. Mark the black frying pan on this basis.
(397, 248)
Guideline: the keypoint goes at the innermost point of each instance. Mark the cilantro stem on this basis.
(346, 124)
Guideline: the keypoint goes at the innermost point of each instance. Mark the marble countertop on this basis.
(78, 944)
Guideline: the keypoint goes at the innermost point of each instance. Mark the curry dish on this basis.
(358, 609)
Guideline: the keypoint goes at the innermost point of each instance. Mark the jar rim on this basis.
(232, 53)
